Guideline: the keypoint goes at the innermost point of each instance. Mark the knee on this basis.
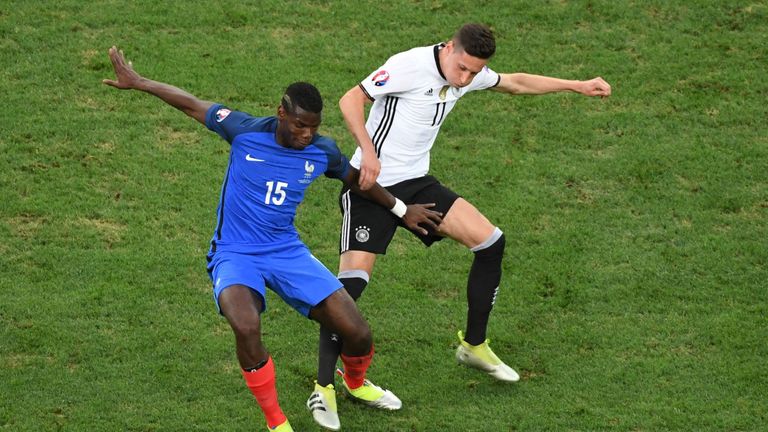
(360, 339)
(493, 247)
(246, 328)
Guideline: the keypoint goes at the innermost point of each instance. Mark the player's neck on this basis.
(280, 141)
(441, 54)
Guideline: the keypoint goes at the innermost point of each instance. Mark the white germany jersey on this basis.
(411, 100)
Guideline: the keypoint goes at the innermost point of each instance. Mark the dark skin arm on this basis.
(128, 79)
(415, 215)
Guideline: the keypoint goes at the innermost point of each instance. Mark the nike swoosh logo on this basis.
(252, 159)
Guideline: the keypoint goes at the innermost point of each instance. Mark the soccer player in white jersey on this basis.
(412, 94)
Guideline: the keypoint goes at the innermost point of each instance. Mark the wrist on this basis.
(399, 208)
(143, 84)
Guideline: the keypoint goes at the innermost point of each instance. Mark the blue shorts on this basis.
(294, 274)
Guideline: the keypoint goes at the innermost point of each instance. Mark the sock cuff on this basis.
(349, 274)
(261, 375)
(490, 241)
(354, 282)
(355, 360)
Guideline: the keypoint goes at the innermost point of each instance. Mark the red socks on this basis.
(261, 382)
(355, 367)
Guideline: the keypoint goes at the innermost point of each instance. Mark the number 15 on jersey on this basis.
(275, 193)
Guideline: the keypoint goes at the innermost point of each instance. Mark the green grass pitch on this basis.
(635, 292)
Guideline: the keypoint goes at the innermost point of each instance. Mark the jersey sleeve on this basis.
(487, 78)
(338, 164)
(394, 76)
(229, 124)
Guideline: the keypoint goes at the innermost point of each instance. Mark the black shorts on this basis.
(367, 226)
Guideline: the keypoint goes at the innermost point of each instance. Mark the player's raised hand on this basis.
(370, 166)
(418, 216)
(127, 78)
(595, 87)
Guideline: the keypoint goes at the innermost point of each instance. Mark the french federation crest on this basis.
(309, 168)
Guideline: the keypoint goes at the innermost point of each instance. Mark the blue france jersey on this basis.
(265, 182)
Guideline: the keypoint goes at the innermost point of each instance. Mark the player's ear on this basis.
(280, 112)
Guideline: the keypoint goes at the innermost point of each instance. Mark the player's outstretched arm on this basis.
(414, 216)
(527, 84)
(128, 79)
(352, 106)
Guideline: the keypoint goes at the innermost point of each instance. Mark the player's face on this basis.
(296, 130)
(459, 67)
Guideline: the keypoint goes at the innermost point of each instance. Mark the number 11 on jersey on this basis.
(277, 196)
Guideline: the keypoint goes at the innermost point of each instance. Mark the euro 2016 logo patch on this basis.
(362, 234)
(380, 78)
(221, 114)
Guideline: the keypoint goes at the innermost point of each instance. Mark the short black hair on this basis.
(303, 95)
(476, 40)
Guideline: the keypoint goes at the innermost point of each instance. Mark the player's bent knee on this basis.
(359, 340)
(355, 332)
(246, 327)
(353, 260)
(493, 247)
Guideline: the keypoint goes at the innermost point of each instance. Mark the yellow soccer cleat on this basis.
(372, 395)
(481, 357)
(322, 404)
(284, 427)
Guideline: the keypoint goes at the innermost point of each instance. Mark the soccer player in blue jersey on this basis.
(255, 244)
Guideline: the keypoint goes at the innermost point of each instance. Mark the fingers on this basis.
(431, 214)
(417, 226)
(125, 76)
(367, 179)
(112, 56)
(118, 60)
(117, 57)
(127, 64)
(370, 166)
(431, 221)
(601, 87)
(112, 53)
(363, 180)
(435, 216)
(418, 218)
(422, 218)
(120, 57)
(425, 208)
